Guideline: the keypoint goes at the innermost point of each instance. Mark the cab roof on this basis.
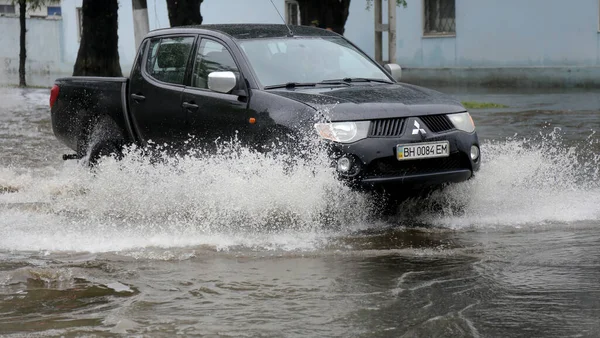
(247, 31)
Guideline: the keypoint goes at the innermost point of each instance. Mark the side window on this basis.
(168, 58)
(212, 57)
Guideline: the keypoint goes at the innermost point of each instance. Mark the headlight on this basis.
(343, 132)
(462, 121)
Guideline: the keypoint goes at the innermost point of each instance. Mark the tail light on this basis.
(53, 95)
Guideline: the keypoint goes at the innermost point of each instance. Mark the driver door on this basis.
(213, 115)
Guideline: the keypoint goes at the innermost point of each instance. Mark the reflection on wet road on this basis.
(218, 249)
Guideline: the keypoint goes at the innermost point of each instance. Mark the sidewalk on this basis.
(520, 99)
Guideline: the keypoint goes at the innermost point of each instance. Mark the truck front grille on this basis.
(386, 127)
(393, 127)
(437, 123)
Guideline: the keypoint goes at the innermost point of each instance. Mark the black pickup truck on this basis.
(267, 82)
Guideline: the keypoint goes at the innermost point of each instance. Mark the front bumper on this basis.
(376, 165)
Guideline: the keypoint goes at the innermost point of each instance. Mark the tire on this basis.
(104, 149)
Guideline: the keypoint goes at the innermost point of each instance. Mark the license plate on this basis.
(416, 151)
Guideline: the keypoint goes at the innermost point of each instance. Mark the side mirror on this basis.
(394, 70)
(222, 82)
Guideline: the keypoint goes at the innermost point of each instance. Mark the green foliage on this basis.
(482, 105)
(402, 3)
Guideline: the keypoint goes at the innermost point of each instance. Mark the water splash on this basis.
(238, 198)
(524, 182)
(234, 197)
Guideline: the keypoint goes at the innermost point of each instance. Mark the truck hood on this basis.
(373, 101)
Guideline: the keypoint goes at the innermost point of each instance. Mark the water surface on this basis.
(236, 246)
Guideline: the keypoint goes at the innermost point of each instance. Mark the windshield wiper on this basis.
(292, 85)
(360, 79)
(335, 82)
(345, 81)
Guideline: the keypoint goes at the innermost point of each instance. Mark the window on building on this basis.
(168, 58)
(212, 57)
(7, 9)
(440, 17)
(292, 12)
(54, 11)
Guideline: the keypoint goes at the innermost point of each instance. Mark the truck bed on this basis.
(81, 100)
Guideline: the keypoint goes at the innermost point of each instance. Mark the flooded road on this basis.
(233, 246)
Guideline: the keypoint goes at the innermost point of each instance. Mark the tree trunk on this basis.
(23, 51)
(330, 14)
(184, 12)
(99, 48)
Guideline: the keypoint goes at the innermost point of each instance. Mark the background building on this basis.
(53, 35)
(476, 42)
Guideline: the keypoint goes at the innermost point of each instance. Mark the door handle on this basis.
(138, 98)
(190, 106)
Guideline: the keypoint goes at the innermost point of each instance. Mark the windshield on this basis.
(307, 60)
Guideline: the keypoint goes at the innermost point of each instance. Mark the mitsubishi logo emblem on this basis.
(418, 129)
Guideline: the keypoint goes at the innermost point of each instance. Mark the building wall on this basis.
(505, 42)
(44, 52)
(496, 41)
(505, 33)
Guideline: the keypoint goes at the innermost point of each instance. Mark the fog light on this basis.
(344, 164)
(474, 152)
